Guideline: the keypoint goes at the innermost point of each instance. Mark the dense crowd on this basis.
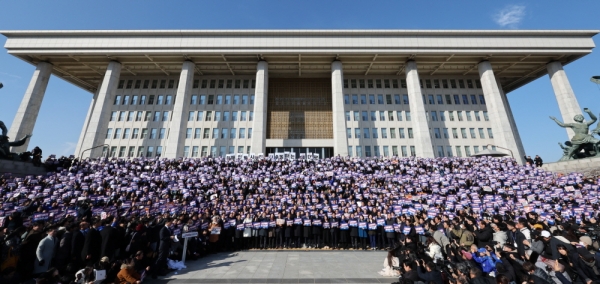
(442, 220)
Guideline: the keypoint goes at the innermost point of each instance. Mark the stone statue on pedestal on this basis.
(582, 144)
(5, 144)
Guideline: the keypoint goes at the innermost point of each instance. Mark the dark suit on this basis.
(28, 252)
(518, 238)
(91, 247)
(109, 242)
(77, 241)
(164, 247)
(63, 253)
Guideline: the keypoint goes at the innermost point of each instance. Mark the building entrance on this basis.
(324, 152)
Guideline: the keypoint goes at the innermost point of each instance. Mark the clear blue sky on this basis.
(65, 106)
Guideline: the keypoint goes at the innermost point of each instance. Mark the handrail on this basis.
(81, 153)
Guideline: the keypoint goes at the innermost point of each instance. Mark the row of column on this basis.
(503, 124)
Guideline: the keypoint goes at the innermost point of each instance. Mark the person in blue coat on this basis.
(362, 232)
(486, 260)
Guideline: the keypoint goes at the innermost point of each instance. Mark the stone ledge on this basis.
(19, 168)
(589, 166)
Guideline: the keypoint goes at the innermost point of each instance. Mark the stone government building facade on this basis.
(194, 93)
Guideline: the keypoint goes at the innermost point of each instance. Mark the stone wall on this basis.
(19, 168)
(589, 166)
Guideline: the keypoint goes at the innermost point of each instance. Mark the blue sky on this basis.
(64, 107)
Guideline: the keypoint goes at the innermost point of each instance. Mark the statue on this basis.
(5, 144)
(582, 140)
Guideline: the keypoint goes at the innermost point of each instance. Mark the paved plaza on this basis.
(294, 266)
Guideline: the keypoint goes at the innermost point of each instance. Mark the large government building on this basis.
(359, 93)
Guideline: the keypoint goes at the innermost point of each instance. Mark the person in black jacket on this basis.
(478, 278)
(109, 240)
(90, 253)
(515, 237)
(307, 230)
(317, 231)
(429, 274)
(298, 231)
(409, 271)
(77, 241)
(164, 247)
(28, 250)
(63, 252)
(484, 234)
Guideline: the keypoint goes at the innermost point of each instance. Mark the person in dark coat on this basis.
(90, 253)
(298, 230)
(353, 223)
(307, 230)
(326, 232)
(109, 240)
(317, 230)
(28, 250)
(262, 232)
(429, 274)
(515, 237)
(239, 234)
(288, 230)
(391, 236)
(63, 253)
(344, 233)
(77, 240)
(484, 234)
(335, 233)
(164, 247)
(14, 221)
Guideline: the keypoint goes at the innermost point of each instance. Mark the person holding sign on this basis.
(344, 233)
(279, 232)
(289, 226)
(262, 231)
(247, 235)
(372, 232)
(362, 232)
(326, 232)
(298, 229)
(335, 232)
(389, 231)
(317, 228)
(215, 231)
(307, 229)
(353, 223)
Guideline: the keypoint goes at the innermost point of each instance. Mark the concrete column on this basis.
(501, 118)
(340, 140)
(513, 124)
(174, 148)
(259, 126)
(420, 125)
(567, 103)
(96, 129)
(86, 123)
(29, 109)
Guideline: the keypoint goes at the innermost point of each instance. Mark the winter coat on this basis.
(434, 251)
(500, 237)
(487, 263)
(441, 239)
(465, 237)
(45, 253)
(127, 275)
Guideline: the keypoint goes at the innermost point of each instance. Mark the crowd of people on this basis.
(459, 220)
